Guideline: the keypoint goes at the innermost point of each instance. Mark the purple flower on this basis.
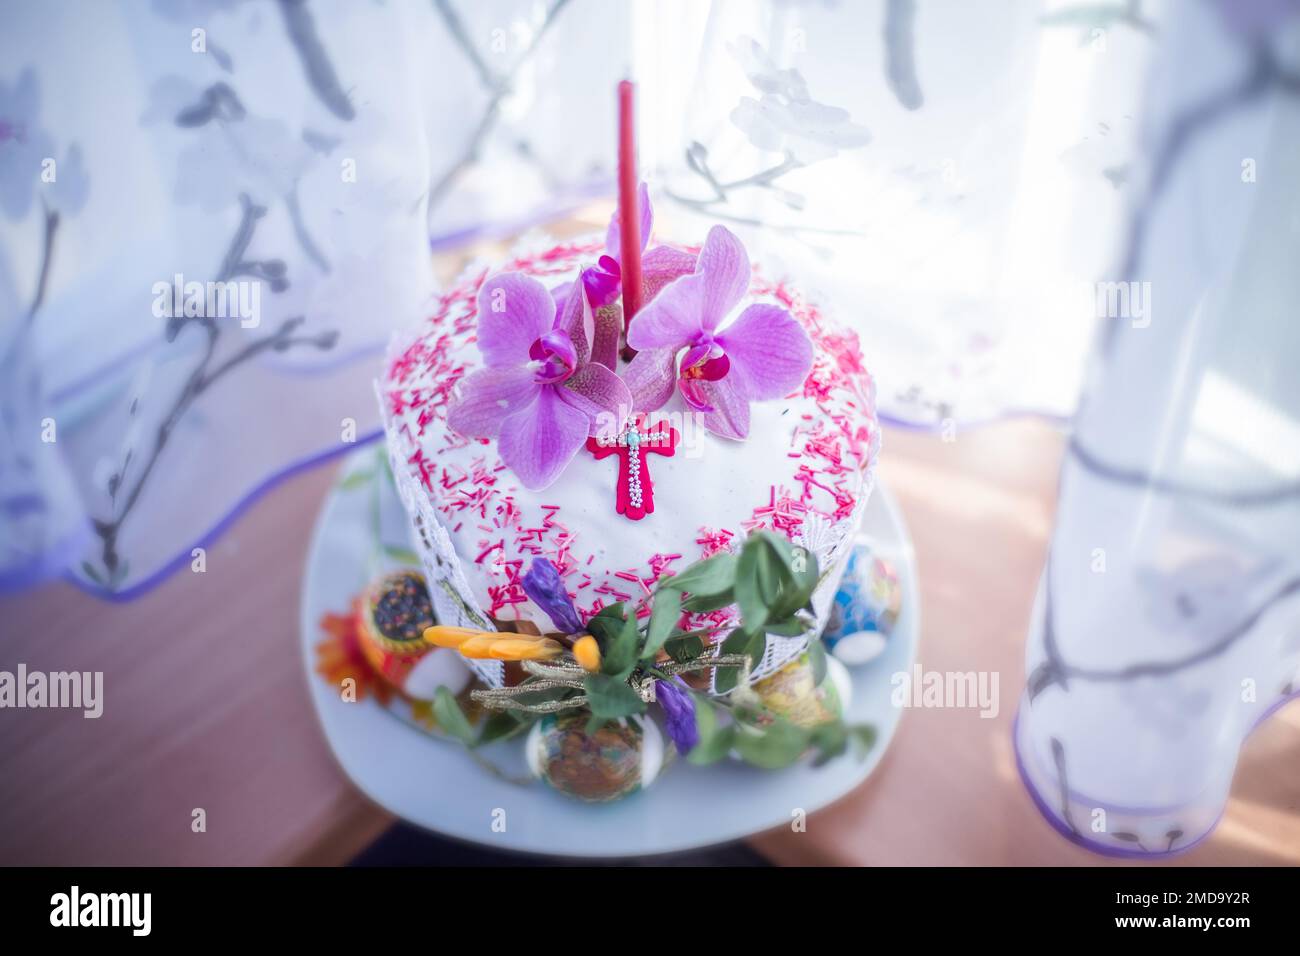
(544, 586)
(764, 353)
(539, 394)
(604, 281)
(679, 714)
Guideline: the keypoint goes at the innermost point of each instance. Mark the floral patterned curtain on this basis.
(945, 176)
(215, 212)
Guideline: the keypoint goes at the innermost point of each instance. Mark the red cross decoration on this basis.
(635, 497)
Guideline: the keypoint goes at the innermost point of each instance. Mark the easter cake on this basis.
(529, 418)
(634, 471)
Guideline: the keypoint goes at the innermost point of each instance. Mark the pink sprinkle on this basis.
(486, 551)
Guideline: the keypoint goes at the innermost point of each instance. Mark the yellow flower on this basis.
(494, 645)
(524, 649)
(442, 635)
(587, 653)
(479, 645)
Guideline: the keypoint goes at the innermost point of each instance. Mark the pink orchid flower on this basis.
(603, 282)
(764, 353)
(539, 395)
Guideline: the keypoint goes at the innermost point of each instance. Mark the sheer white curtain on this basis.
(1168, 620)
(944, 175)
(302, 156)
(949, 176)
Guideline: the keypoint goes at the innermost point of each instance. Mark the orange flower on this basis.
(339, 657)
(504, 646)
(443, 635)
(587, 653)
(478, 646)
(523, 649)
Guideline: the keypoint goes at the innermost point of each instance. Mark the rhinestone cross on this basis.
(634, 497)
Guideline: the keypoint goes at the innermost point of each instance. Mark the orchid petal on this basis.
(694, 395)
(730, 415)
(769, 350)
(514, 310)
(724, 264)
(561, 296)
(601, 396)
(697, 302)
(604, 342)
(539, 441)
(488, 397)
(556, 355)
(576, 319)
(705, 360)
(660, 266)
(646, 215)
(602, 282)
(671, 319)
(650, 378)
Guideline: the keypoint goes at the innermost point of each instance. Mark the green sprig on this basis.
(772, 583)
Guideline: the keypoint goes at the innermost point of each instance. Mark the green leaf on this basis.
(710, 602)
(791, 627)
(817, 657)
(451, 718)
(749, 593)
(607, 624)
(756, 648)
(773, 747)
(738, 641)
(864, 737)
(830, 739)
(617, 611)
(716, 739)
(683, 649)
(795, 572)
(773, 572)
(710, 576)
(609, 697)
(622, 651)
(502, 725)
(664, 612)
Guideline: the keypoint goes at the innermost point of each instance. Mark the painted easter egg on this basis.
(617, 760)
(865, 609)
(792, 692)
(860, 647)
(391, 617)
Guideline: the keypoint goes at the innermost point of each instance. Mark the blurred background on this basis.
(1064, 232)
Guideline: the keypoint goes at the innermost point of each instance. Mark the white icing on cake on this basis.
(809, 454)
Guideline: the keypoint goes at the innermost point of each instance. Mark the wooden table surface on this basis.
(206, 702)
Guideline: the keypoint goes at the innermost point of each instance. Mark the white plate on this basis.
(436, 784)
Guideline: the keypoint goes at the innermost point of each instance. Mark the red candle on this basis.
(628, 214)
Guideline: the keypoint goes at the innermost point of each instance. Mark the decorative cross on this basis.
(635, 494)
